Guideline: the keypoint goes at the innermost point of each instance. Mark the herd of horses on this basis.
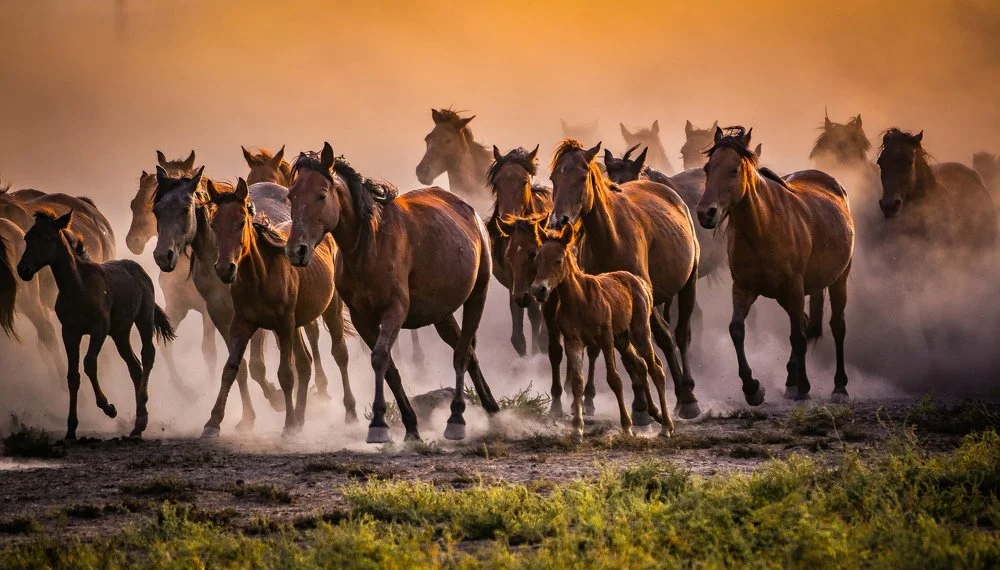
(604, 261)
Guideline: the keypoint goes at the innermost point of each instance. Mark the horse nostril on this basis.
(302, 251)
(170, 256)
(563, 221)
(231, 268)
(711, 212)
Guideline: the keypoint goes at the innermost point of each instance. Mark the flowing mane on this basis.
(367, 196)
(519, 156)
(597, 176)
(734, 139)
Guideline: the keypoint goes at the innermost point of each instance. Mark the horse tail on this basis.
(8, 290)
(162, 328)
(814, 320)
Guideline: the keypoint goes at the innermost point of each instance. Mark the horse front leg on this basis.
(590, 390)
(90, 368)
(538, 341)
(71, 342)
(794, 304)
(838, 325)
(240, 333)
(743, 300)
(312, 333)
(517, 327)
(574, 370)
(388, 332)
(208, 347)
(687, 402)
(334, 319)
(555, 356)
(258, 371)
(303, 371)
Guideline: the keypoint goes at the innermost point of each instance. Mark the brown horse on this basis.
(100, 300)
(269, 293)
(510, 180)
(641, 227)
(391, 276)
(605, 312)
(452, 148)
(183, 217)
(95, 229)
(649, 138)
(842, 146)
(695, 142)
(788, 237)
(940, 204)
(179, 292)
(582, 132)
(267, 167)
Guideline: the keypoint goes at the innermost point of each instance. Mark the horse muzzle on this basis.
(523, 300)
(424, 175)
(709, 217)
(891, 209)
(26, 271)
(299, 255)
(226, 271)
(541, 292)
(166, 260)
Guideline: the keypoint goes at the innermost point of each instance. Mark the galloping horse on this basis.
(695, 142)
(649, 138)
(392, 275)
(452, 148)
(510, 180)
(267, 167)
(179, 292)
(641, 227)
(183, 217)
(269, 293)
(940, 204)
(100, 300)
(787, 238)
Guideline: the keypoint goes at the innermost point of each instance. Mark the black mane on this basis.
(733, 139)
(519, 156)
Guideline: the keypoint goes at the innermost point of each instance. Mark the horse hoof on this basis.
(641, 418)
(70, 438)
(802, 396)
(290, 432)
(454, 432)
(588, 408)
(210, 432)
(135, 435)
(377, 434)
(322, 395)
(757, 398)
(666, 433)
(411, 437)
(277, 401)
(556, 411)
(839, 397)
(688, 410)
(577, 437)
(351, 417)
(111, 411)
(791, 392)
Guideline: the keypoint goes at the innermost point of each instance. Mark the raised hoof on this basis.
(320, 395)
(688, 410)
(277, 400)
(454, 432)
(210, 432)
(245, 425)
(110, 411)
(351, 417)
(588, 408)
(791, 392)
(378, 434)
(641, 418)
(757, 398)
(840, 397)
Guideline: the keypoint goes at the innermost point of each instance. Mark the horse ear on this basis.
(857, 121)
(918, 137)
(562, 123)
(213, 192)
(757, 150)
(627, 135)
(640, 160)
(590, 154)
(533, 154)
(715, 125)
(608, 157)
(188, 163)
(567, 235)
(326, 156)
(496, 154)
(656, 127)
(161, 159)
(247, 156)
(161, 174)
(746, 137)
(63, 222)
(462, 123)
(242, 191)
(688, 128)
(279, 156)
(827, 123)
(196, 179)
(437, 116)
(718, 133)
(629, 152)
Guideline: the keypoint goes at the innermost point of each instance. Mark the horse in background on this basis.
(787, 237)
(582, 132)
(514, 194)
(841, 149)
(695, 142)
(988, 167)
(99, 300)
(179, 293)
(452, 149)
(649, 138)
(641, 227)
(391, 276)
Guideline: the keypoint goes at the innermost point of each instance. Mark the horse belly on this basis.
(315, 290)
(444, 271)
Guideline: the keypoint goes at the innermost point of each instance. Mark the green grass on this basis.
(905, 508)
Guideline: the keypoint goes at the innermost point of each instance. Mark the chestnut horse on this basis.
(695, 142)
(641, 227)
(649, 138)
(405, 262)
(940, 204)
(269, 293)
(99, 300)
(452, 149)
(606, 311)
(787, 238)
(267, 167)
(510, 181)
(183, 218)
(179, 292)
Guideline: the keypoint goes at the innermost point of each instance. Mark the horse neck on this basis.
(345, 235)
(925, 179)
(66, 271)
(570, 288)
(468, 175)
(599, 222)
(750, 216)
(253, 267)
(204, 245)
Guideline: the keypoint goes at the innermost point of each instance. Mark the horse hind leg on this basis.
(643, 412)
(538, 329)
(137, 372)
(743, 300)
(615, 379)
(687, 305)
(794, 305)
(838, 325)
(258, 372)
(312, 333)
(209, 350)
(303, 371)
(334, 319)
(90, 368)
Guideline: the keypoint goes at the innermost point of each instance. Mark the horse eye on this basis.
(322, 196)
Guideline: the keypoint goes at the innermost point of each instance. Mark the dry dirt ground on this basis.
(101, 486)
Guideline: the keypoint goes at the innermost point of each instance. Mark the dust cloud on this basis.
(89, 90)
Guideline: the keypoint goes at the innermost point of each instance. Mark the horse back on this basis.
(974, 218)
(272, 200)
